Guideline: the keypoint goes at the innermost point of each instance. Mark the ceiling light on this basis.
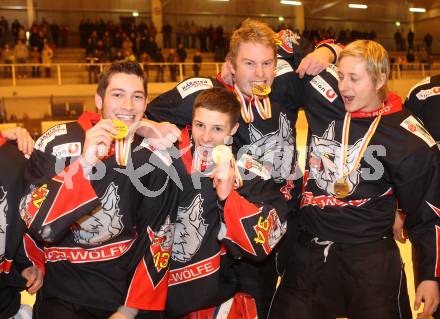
(397, 23)
(417, 9)
(357, 6)
(135, 14)
(292, 3)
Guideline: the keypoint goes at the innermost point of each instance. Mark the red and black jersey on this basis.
(210, 235)
(400, 164)
(97, 222)
(424, 101)
(269, 141)
(15, 255)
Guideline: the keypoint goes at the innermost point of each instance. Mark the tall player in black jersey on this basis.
(345, 262)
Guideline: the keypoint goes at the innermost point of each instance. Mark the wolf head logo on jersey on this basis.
(190, 229)
(274, 150)
(103, 223)
(161, 246)
(325, 156)
(3, 225)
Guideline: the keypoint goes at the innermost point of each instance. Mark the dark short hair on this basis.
(127, 67)
(220, 100)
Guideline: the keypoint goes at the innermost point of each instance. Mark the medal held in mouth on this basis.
(261, 90)
(122, 147)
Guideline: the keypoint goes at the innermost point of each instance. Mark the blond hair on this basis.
(376, 58)
(254, 31)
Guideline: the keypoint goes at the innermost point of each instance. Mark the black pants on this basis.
(46, 307)
(259, 280)
(364, 281)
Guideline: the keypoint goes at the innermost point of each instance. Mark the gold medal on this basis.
(341, 188)
(122, 129)
(261, 89)
(221, 154)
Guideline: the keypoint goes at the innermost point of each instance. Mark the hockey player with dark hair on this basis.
(365, 154)
(97, 197)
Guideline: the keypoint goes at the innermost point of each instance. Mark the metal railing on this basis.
(81, 73)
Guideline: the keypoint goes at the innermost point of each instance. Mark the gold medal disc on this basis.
(122, 129)
(341, 188)
(261, 89)
(221, 154)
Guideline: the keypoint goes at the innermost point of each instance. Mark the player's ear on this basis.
(98, 101)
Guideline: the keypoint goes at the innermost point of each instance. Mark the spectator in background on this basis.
(21, 56)
(46, 58)
(172, 58)
(7, 58)
(194, 30)
(410, 58)
(35, 59)
(181, 53)
(428, 42)
(410, 39)
(158, 57)
(398, 39)
(167, 29)
(197, 59)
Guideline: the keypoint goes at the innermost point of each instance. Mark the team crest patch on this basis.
(324, 88)
(283, 67)
(415, 127)
(50, 136)
(190, 86)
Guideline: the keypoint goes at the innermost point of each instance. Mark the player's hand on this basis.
(118, 315)
(24, 140)
(98, 141)
(34, 279)
(160, 135)
(315, 62)
(223, 178)
(398, 230)
(428, 293)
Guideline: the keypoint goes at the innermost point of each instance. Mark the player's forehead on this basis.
(255, 51)
(126, 82)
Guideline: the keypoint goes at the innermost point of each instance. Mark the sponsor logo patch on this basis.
(67, 150)
(416, 128)
(283, 67)
(424, 94)
(324, 88)
(193, 85)
(50, 136)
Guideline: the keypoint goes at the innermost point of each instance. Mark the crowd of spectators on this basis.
(37, 47)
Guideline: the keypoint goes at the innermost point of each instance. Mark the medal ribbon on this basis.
(122, 150)
(365, 141)
(264, 110)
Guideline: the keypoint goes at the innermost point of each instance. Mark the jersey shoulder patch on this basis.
(49, 136)
(420, 83)
(415, 127)
(324, 88)
(247, 162)
(192, 85)
(283, 67)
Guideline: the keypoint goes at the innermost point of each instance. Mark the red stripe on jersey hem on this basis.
(195, 271)
(5, 266)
